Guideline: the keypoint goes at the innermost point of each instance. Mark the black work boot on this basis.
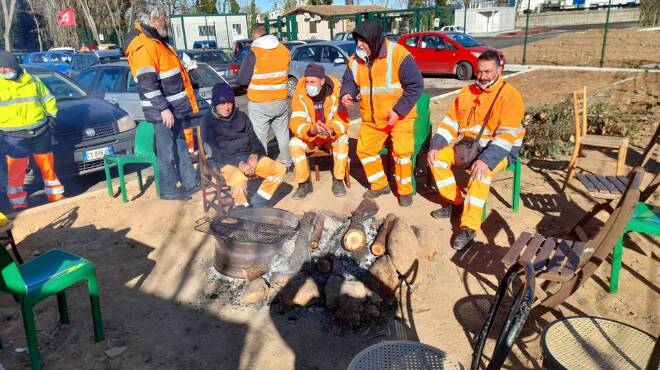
(464, 238)
(304, 188)
(376, 193)
(405, 200)
(447, 211)
(338, 188)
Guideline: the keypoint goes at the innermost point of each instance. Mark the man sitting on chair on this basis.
(317, 120)
(235, 150)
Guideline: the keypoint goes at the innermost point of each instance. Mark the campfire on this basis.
(351, 267)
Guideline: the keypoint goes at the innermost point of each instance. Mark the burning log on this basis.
(355, 238)
(379, 246)
(300, 256)
(315, 236)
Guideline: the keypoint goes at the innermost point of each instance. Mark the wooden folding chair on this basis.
(583, 138)
(216, 194)
(563, 265)
(323, 152)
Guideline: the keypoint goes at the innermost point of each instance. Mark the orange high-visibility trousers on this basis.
(299, 149)
(16, 176)
(272, 172)
(477, 190)
(370, 143)
(190, 141)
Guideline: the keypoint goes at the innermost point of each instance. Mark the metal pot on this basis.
(251, 259)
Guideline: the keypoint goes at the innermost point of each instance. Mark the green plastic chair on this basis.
(143, 152)
(41, 277)
(421, 132)
(645, 220)
(516, 168)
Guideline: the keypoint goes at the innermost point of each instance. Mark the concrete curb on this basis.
(520, 67)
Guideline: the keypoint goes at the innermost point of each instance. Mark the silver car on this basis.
(332, 55)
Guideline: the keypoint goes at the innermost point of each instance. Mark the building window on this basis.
(206, 30)
(236, 29)
(312, 27)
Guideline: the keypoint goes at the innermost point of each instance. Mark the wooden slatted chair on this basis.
(583, 138)
(324, 153)
(563, 265)
(216, 194)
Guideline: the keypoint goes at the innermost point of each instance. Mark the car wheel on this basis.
(291, 85)
(464, 71)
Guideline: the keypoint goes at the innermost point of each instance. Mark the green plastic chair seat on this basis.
(130, 158)
(53, 271)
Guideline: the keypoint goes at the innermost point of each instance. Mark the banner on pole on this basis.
(66, 18)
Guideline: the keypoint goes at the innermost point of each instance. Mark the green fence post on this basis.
(524, 58)
(607, 23)
(417, 21)
(332, 27)
(465, 19)
(279, 27)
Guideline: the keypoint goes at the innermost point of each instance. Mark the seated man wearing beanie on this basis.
(235, 150)
(318, 120)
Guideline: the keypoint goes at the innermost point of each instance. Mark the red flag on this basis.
(66, 18)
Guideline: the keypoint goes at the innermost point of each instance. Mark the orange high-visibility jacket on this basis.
(162, 80)
(380, 88)
(269, 78)
(503, 134)
(302, 111)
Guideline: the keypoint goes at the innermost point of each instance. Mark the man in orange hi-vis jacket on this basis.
(318, 120)
(500, 105)
(167, 99)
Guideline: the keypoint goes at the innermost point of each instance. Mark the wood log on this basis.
(355, 238)
(379, 246)
(300, 258)
(315, 237)
(324, 265)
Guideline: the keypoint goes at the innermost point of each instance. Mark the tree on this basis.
(319, 2)
(234, 6)
(252, 12)
(8, 7)
(205, 6)
(650, 13)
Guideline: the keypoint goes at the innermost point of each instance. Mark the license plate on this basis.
(90, 155)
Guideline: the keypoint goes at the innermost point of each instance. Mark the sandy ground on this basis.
(629, 48)
(154, 272)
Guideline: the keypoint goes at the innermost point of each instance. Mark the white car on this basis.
(452, 29)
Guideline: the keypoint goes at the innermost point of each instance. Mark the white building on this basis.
(314, 20)
(486, 20)
(223, 28)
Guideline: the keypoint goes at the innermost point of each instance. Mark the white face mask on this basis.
(9, 75)
(484, 86)
(361, 53)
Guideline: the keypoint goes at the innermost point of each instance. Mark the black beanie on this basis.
(222, 93)
(8, 60)
(315, 70)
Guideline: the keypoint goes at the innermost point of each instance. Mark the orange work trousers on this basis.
(272, 172)
(299, 149)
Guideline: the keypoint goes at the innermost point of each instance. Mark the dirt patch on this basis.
(625, 48)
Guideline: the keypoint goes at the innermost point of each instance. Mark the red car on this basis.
(445, 52)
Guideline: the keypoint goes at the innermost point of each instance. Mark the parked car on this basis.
(114, 83)
(332, 55)
(53, 60)
(215, 58)
(343, 36)
(19, 56)
(65, 49)
(392, 37)
(87, 127)
(445, 52)
(292, 44)
(84, 60)
(240, 44)
(453, 29)
(205, 44)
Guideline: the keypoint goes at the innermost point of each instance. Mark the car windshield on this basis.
(204, 76)
(60, 86)
(211, 57)
(348, 48)
(464, 40)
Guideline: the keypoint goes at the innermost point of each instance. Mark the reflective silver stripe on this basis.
(475, 201)
(380, 90)
(274, 179)
(484, 142)
(298, 159)
(445, 182)
(486, 181)
(146, 103)
(299, 131)
(29, 127)
(340, 124)
(55, 182)
(31, 99)
(51, 191)
(518, 142)
(404, 180)
(267, 87)
(342, 139)
(47, 97)
(354, 69)
(510, 130)
(334, 108)
(474, 129)
(440, 164)
(16, 201)
(341, 156)
(264, 194)
(262, 76)
(376, 176)
(370, 159)
(445, 134)
(404, 160)
(172, 72)
(12, 190)
(143, 70)
(297, 142)
(502, 144)
(175, 97)
(450, 122)
(152, 94)
(299, 114)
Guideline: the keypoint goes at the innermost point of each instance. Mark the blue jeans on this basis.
(173, 161)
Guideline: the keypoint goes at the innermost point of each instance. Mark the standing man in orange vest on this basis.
(264, 72)
(167, 99)
(389, 83)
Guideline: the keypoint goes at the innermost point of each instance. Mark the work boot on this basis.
(290, 170)
(464, 238)
(304, 188)
(338, 188)
(376, 193)
(447, 211)
(258, 201)
(405, 200)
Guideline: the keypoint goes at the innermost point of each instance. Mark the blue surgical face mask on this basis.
(361, 53)
(312, 90)
(8, 75)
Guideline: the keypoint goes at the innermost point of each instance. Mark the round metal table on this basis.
(402, 355)
(595, 343)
